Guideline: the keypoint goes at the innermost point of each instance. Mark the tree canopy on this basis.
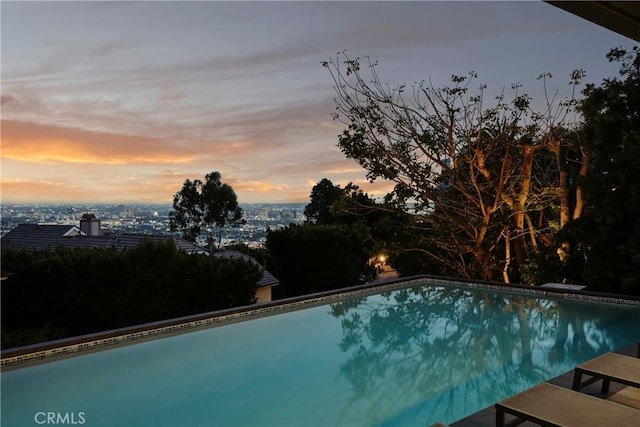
(481, 181)
(68, 292)
(605, 249)
(323, 195)
(312, 258)
(199, 204)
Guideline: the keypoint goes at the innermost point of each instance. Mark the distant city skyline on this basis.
(152, 219)
(120, 102)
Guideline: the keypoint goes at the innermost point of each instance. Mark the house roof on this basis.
(622, 17)
(268, 279)
(37, 236)
(45, 236)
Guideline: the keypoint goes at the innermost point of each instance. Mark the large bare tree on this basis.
(488, 184)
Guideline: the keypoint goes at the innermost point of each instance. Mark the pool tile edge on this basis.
(75, 346)
(212, 320)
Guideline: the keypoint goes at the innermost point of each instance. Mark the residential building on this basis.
(53, 236)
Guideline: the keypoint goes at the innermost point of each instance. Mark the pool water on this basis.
(412, 356)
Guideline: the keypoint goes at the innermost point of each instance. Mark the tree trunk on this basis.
(580, 202)
(558, 150)
(507, 254)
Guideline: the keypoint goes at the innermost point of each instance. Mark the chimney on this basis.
(90, 225)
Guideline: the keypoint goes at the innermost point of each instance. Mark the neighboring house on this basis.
(46, 236)
(263, 294)
(38, 237)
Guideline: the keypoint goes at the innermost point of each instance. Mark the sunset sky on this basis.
(120, 102)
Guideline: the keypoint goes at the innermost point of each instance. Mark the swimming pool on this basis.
(409, 356)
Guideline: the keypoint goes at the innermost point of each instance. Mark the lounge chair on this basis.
(628, 396)
(550, 405)
(608, 367)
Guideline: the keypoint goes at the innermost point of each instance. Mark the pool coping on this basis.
(40, 352)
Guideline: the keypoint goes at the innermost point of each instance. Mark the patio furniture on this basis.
(550, 405)
(628, 396)
(608, 367)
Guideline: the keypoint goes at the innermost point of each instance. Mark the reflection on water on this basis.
(409, 357)
(431, 353)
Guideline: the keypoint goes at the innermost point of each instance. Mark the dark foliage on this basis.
(315, 258)
(261, 255)
(606, 241)
(323, 195)
(198, 204)
(64, 293)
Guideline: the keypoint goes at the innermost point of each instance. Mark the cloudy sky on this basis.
(121, 102)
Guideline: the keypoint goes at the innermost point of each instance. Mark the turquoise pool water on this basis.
(407, 357)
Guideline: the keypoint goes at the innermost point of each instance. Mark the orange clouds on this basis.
(44, 143)
(341, 169)
(26, 191)
(259, 186)
(267, 192)
(137, 190)
(59, 164)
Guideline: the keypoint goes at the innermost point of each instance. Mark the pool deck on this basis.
(487, 417)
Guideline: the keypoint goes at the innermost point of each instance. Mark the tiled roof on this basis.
(37, 236)
(44, 236)
(268, 279)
